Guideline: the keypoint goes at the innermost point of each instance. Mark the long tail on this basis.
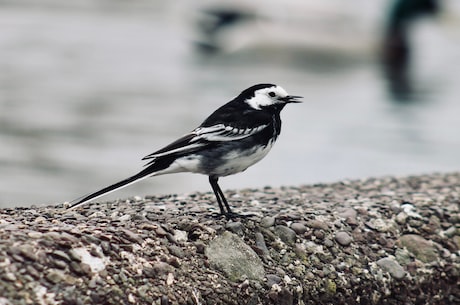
(152, 169)
(111, 188)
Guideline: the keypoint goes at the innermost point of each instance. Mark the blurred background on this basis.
(89, 87)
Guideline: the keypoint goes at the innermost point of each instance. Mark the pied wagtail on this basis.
(232, 138)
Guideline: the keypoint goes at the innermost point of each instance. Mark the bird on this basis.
(235, 136)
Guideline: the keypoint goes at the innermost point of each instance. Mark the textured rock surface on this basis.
(372, 241)
(229, 254)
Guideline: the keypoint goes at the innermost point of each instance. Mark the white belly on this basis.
(233, 162)
(237, 162)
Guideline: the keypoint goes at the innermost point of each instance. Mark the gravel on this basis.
(372, 241)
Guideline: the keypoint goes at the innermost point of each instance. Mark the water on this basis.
(87, 90)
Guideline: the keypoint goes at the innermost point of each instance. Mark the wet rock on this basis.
(229, 254)
(343, 238)
(392, 266)
(421, 248)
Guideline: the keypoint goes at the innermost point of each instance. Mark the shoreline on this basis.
(371, 241)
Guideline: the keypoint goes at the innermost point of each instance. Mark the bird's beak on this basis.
(291, 99)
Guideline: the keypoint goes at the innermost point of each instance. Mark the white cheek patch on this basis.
(259, 100)
(262, 97)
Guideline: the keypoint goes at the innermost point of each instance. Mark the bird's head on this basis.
(264, 96)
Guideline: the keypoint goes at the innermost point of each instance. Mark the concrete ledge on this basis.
(373, 241)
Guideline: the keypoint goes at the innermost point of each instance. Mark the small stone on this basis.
(200, 247)
(176, 251)
(161, 268)
(328, 243)
(299, 228)
(170, 279)
(267, 222)
(164, 300)
(343, 238)
(59, 263)
(451, 231)
(54, 276)
(60, 255)
(80, 268)
(287, 235)
(180, 236)
(230, 254)
(319, 234)
(28, 252)
(35, 234)
(401, 218)
(132, 236)
(421, 248)
(160, 231)
(261, 245)
(317, 224)
(235, 227)
(348, 213)
(380, 225)
(391, 266)
(74, 255)
(9, 276)
(272, 279)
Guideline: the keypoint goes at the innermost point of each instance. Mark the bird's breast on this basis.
(235, 161)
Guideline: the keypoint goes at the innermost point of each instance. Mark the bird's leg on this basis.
(220, 196)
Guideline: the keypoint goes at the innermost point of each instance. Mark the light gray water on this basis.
(87, 90)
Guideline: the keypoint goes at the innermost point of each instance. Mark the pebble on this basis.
(230, 254)
(343, 238)
(161, 268)
(421, 248)
(380, 225)
(272, 279)
(130, 235)
(348, 213)
(261, 245)
(317, 224)
(392, 266)
(235, 227)
(176, 251)
(267, 222)
(9, 276)
(287, 235)
(299, 228)
(60, 255)
(54, 276)
(328, 242)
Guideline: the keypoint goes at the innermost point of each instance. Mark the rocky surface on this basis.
(373, 241)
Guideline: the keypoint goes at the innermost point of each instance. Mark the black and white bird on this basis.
(232, 138)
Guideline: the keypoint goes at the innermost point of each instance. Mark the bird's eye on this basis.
(272, 94)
